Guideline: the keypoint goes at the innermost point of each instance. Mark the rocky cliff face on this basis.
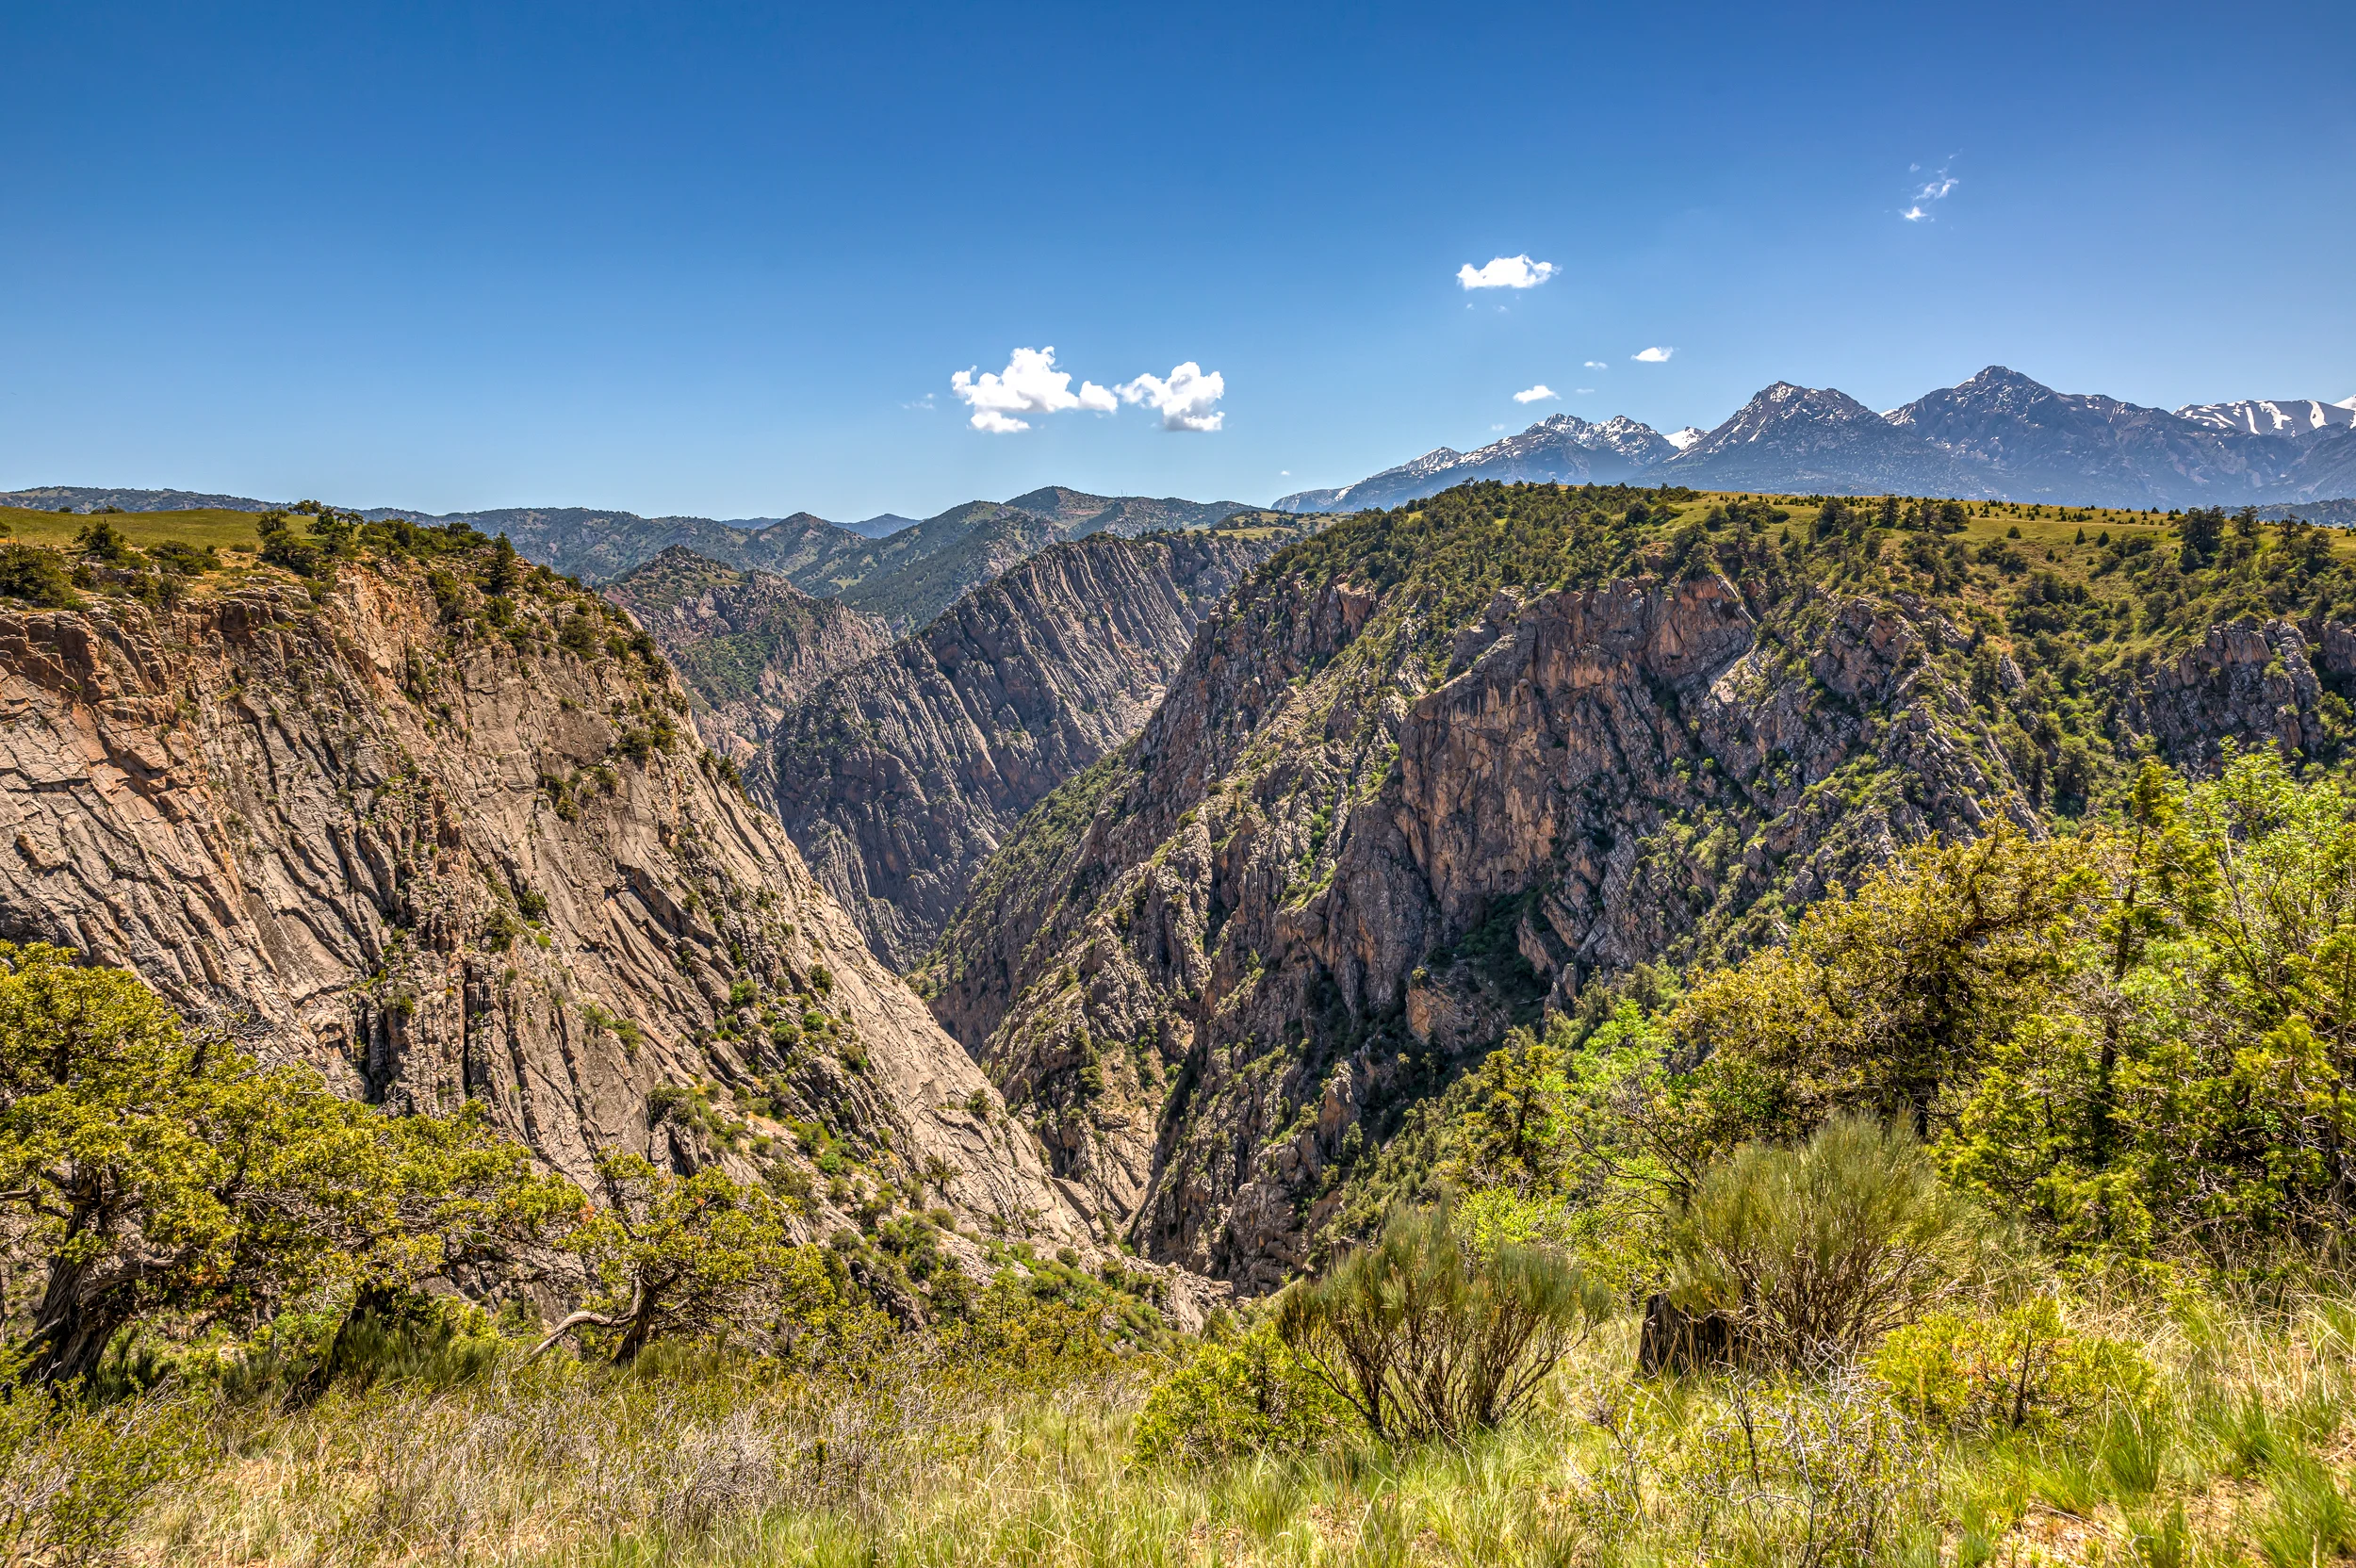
(899, 776)
(748, 644)
(449, 848)
(2256, 684)
(1329, 873)
(1382, 818)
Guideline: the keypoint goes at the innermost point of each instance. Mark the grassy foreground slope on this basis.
(936, 1463)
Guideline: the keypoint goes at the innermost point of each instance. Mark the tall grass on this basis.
(2241, 1455)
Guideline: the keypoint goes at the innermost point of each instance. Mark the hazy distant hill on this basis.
(85, 497)
(1075, 513)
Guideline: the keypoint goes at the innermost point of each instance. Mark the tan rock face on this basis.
(441, 865)
(1329, 875)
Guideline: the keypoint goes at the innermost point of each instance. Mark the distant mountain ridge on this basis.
(1560, 449)
(1999, 435)
(602, 545)
(91, 498)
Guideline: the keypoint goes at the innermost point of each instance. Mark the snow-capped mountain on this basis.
(1560, 449)
(2269, 416)
(1814, 438)
(1998, 434)
(2046, 445)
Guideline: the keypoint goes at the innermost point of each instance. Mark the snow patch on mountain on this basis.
(2272, 417)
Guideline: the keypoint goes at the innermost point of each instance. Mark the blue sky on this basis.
(726, 260)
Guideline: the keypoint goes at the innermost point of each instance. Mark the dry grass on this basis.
(928, 1464)
(221, 530)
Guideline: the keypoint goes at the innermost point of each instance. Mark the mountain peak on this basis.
(1817, 438)
(1050, 499)
(2003, 375)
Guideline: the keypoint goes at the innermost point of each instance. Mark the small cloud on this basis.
(924, 401)
(1595, 365)
(1183, 401)
(1536, 394)
(1653, 356)
(1935, 189)
(1284, 473)
(1585, 391)
(1029, 384)
(1506, 272)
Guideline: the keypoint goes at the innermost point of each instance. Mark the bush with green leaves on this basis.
(1238, 1394)
(152, 1175)
(34, 575)
(73, 1478)
(2021, 1368)
(690, 1257)
(1425, 1338)
(1815, 1252)
(1812, 1472)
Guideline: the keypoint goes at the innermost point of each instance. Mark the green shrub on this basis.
(578, 636)
(1248, 1393)
(1807, 1472)
(35, 577)
(102, 541)
(1424, 1338)
(2021, 1369)
(73, 1479)
(1817, 1252)
(499, 929)
(184, 560)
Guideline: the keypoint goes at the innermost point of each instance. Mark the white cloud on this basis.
(1506, 272)
(1183, 401)
(1935, 189)
(1585, 391)
(1536, 394)
(1653, 356)
(1597, 365)
(1029, 384)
